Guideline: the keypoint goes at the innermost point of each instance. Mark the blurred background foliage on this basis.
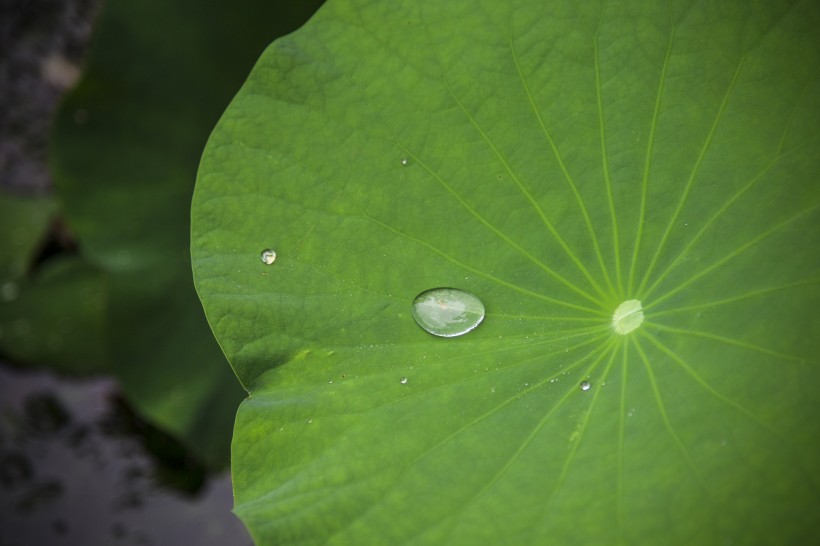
(95, 271)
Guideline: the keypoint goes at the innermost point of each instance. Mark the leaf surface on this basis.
(555, 159)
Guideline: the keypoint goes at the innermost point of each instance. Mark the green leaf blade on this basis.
(555, 163)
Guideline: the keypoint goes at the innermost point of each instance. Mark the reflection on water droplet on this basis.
(404, 161)
(585, 385)
(447, 312)
(403, 380)
(9, 291)
(268, 256)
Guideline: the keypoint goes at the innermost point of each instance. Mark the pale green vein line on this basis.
(648, 160)
(662, 407)
(695, 170)
(621, 432)
(583, 429)
(778, 156)
(705, 228)
(535, 386)
(494, 409)
(705, 384)
(562, 243)
(562, 166)
(498, 232)
(546, 318)
(608, 180)
(733, 299)
(476, 271)
(528, 440)
(730, 256)
(726, 340)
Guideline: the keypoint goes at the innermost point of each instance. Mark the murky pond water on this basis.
(78, 468)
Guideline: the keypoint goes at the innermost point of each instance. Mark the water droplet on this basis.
(9, 291)
(627, 317)
(403, 380)
(447, 312)
(331, 381)
(585, 385)
(630, 413)
(309, 421)
(268, 256)
(492, 390)
(404, 161)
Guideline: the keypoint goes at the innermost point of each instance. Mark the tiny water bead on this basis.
(268, 256)
(627, 317)
(585, 385)
(403, 380)
(404, 161)
(447, 312)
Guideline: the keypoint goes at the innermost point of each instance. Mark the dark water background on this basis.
(77, 467)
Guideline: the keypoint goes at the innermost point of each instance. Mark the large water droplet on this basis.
(268, 256)
(447, 312)
(627, 317)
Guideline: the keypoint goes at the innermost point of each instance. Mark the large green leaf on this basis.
(555, 159)
(57, 319)
(125, 151)
(50, 313)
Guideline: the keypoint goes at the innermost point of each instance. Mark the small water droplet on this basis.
(630, 413)
(447, 312)
(585, 385)
(723, 442)
(492, 390)
(552, 380)
(309, 421)
(331, 381)
(403, 380)
(9, 291)
(404, 161)
(268, 256)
